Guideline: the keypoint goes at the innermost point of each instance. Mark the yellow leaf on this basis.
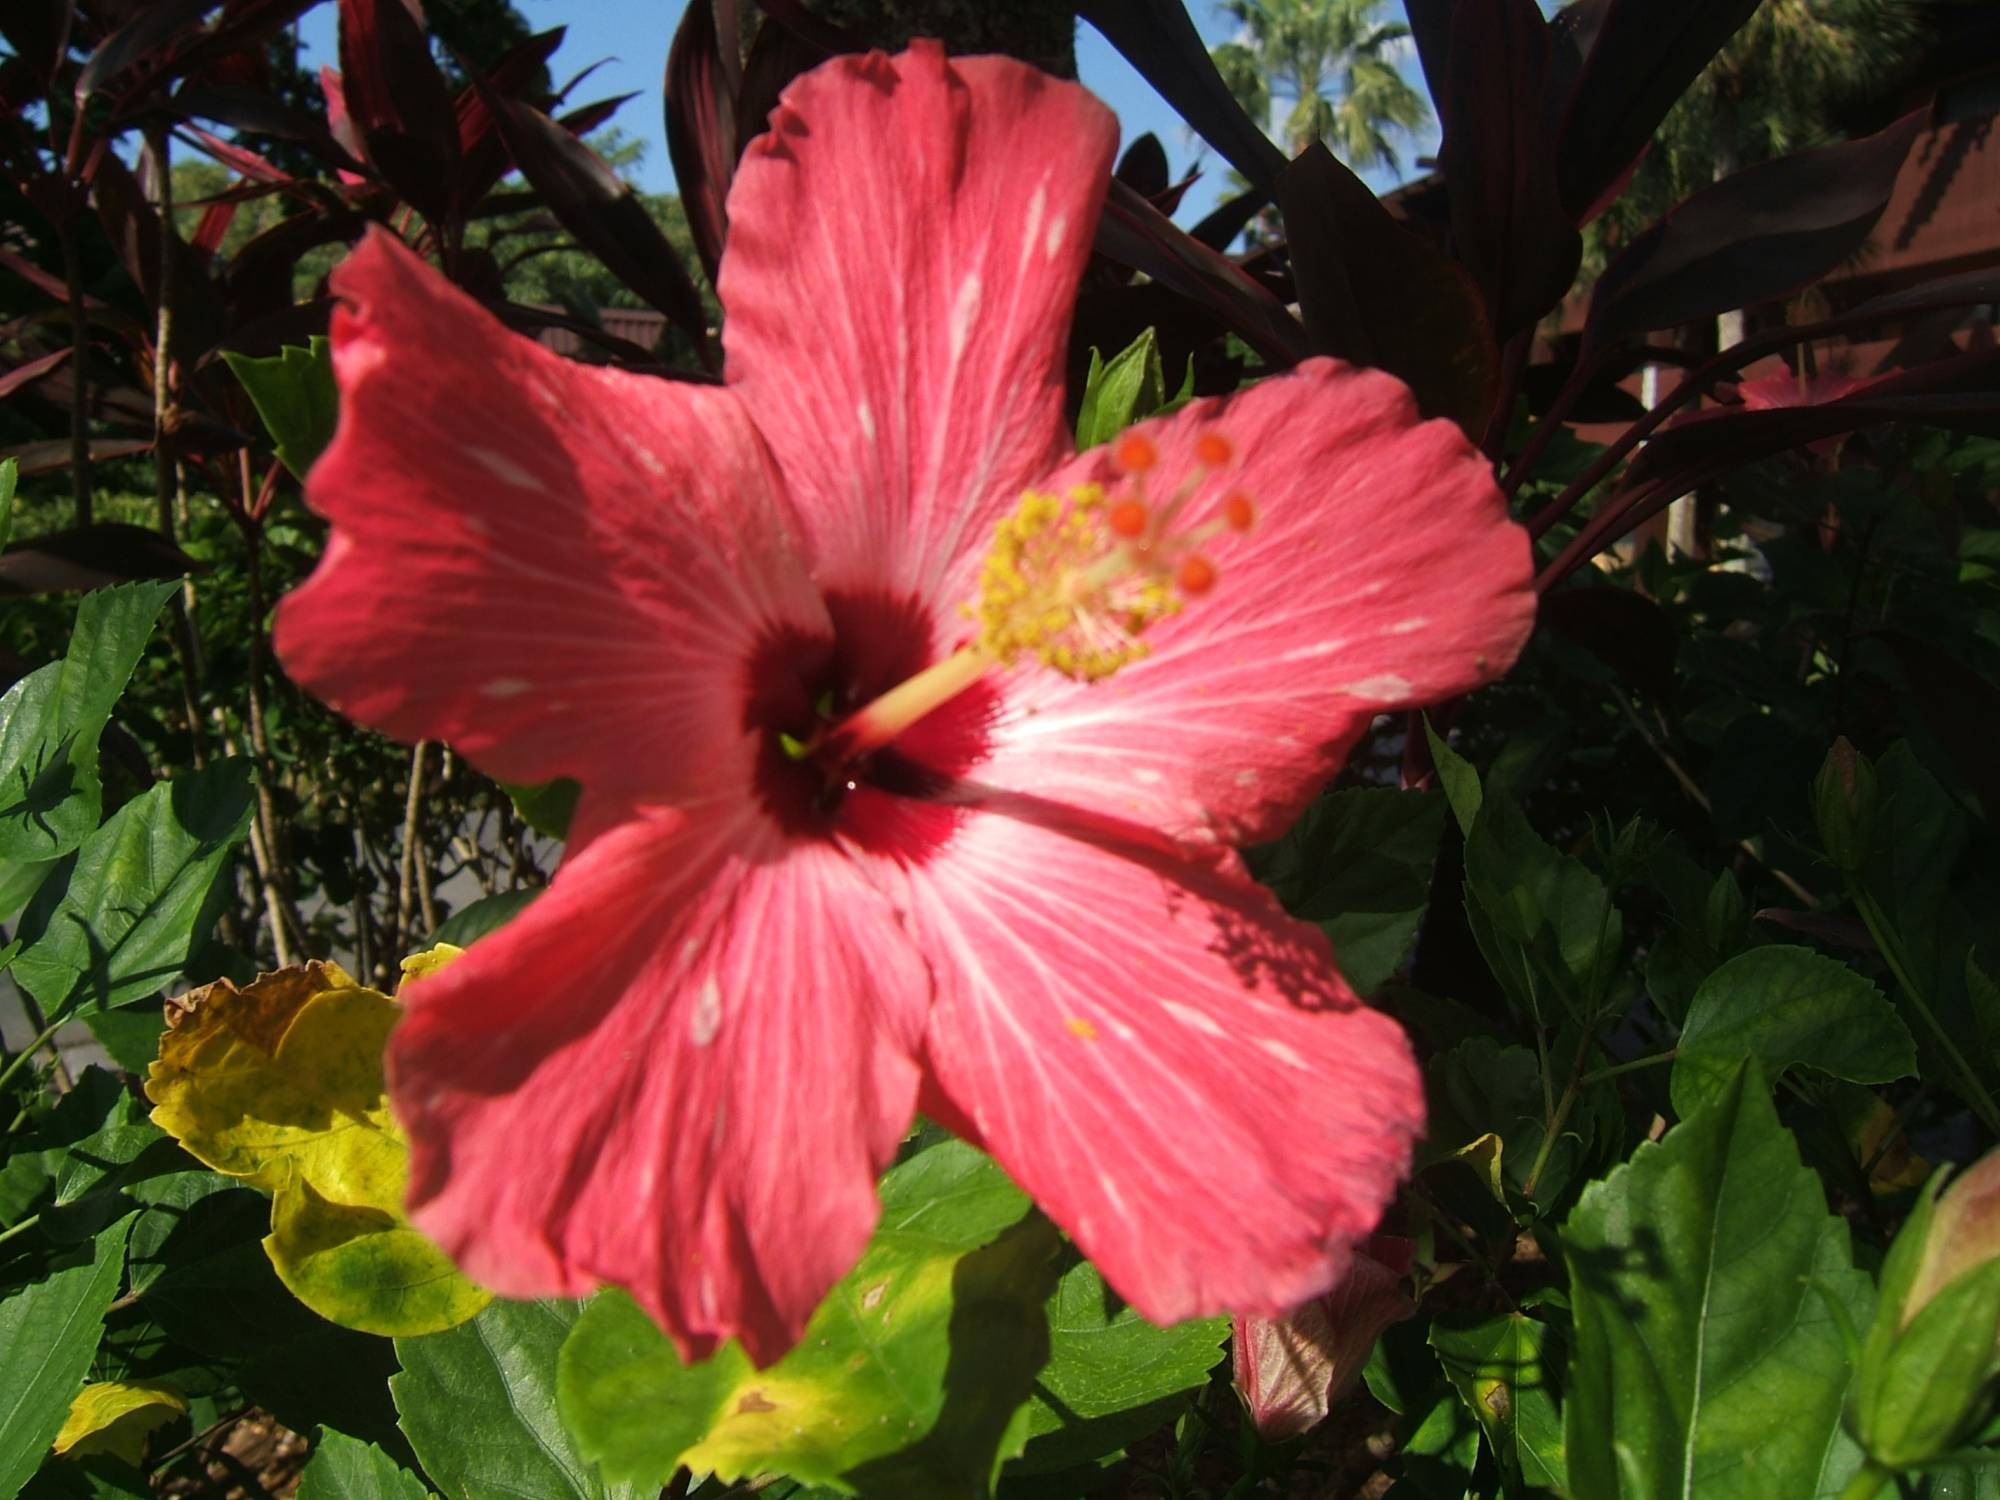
(1483, 1156)
(117, 1417)
(281, 1084)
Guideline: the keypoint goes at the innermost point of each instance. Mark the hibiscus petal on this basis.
(898, 284)
(1170, 1066)
(559, 570)
(1381, 572)
(680, 1070)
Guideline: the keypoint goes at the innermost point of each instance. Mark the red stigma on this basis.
(1213, 449)
(1238, 511)
(1196, 575)
(1136, 453)
(1127, 519)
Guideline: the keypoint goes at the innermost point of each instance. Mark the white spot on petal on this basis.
(1385, 688)
(1405, 627)
(1052, 243)
(506, 687)
(1146, 776)
(502, 468)
(707, 1017)
(1193, 1019)
(864, 418)
(1246, 778)
(964, 308)
(1282, 1051)
(1037, 205)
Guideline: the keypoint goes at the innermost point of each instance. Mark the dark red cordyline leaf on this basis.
(38, 33)
(1143, 167)
(701, 130)
(601, 212)
(237, 158)
(1755, 236)
(397, 100)
(777, 56)
(214, 225)
(30, 372)
(1959, 706)
(53, 453)
(1228, 219)
(260, 273)
(143, 39)
(1643, 56)
(1508, 224)
(1374, 293)
(1961, 393)
(1158, 39)
(133, 224)
(821, 35)
(89, 557)
(482, 155)
(1134, 233)
(1625, 630)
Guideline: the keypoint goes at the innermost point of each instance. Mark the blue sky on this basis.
(631, 38)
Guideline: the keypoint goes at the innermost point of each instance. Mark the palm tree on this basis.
(1331, 61)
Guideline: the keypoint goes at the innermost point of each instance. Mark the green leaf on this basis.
(1546, 924)
(1359, 864)
(295, 394)
(909, 1381)
(479, 1405)
(1112, 1377)
(122, 917)
(51, 720)
(1501, 1372)
(466, 926)
(547, 806)
(1118, 393)
(48, 1332)
(1460, 781)
(1705, 1361)
(345, 1468)
(10, 473)
(1787, 1006)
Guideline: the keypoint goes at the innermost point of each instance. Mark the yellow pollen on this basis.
(1075, 580)
(1082, 1028)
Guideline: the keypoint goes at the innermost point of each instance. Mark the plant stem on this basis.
(1556, 1121)
(406, 874)
(41, 1040)
(1598, 1075)
(1886, 941)
(21, 1228)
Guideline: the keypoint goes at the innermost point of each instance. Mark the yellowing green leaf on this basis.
(281, 1084)
(116, 1417)
(423, 965)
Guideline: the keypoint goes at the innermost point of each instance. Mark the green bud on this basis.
(1844, 805)
(1922, 1387)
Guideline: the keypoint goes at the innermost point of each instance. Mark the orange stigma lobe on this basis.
(1127, 519)
(1213, 449)
(1136, 453)
(1196, 575)
(1239, 512)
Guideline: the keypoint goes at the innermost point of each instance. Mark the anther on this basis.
(1213, 449)
(1238, 511)
(1136, 453)
(1127, 519)
(1196, 575)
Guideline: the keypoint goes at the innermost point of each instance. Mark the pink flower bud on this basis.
(1291, 1370)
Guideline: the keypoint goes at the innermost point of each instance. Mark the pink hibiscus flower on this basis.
(795, 911)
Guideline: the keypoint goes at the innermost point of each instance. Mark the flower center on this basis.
(1073, 580)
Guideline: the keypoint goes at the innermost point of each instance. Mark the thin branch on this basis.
(406, 879)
